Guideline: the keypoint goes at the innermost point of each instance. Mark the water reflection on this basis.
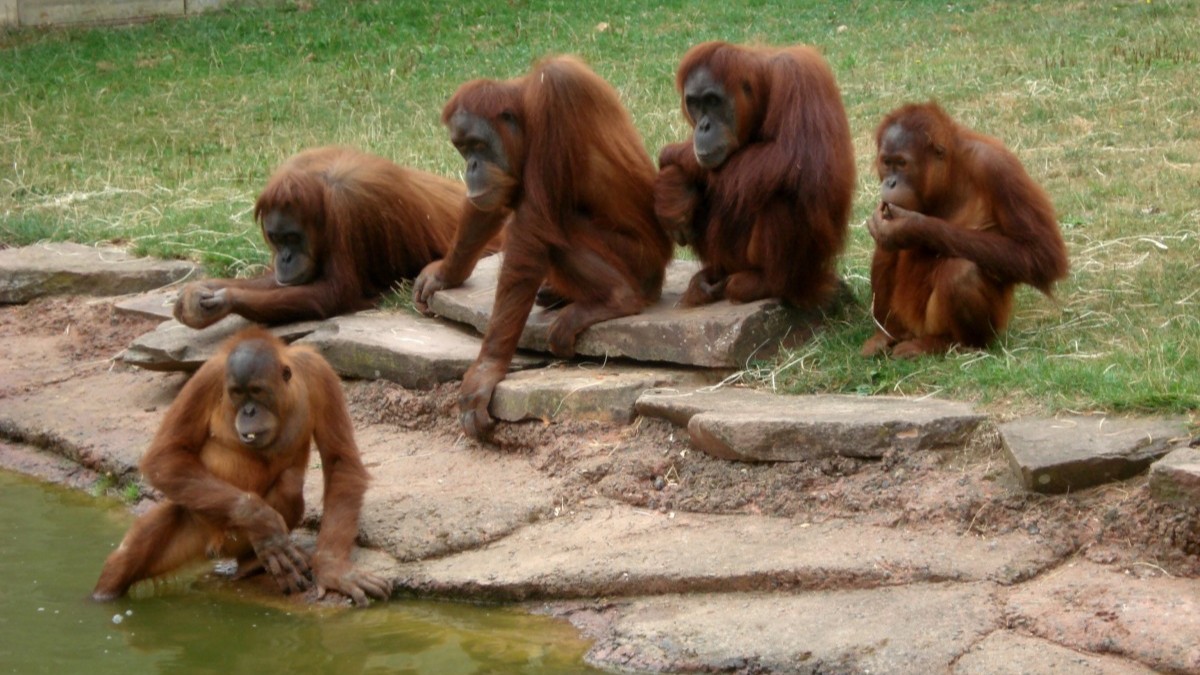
(53, 542)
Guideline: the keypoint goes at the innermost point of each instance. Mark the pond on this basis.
(53, 542)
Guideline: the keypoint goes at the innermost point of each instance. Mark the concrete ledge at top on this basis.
(720, 335)
(31, 272)
(414, 351)
(65, 12)
(1070, 453)
(750, 425)
(172, 346)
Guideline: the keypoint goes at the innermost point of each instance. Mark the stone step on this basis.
(172, 346)
(153, 305)
(754, 425)
(720, 335)
(584, 391)
(414, 351)
(1071, 453)
(31, 272)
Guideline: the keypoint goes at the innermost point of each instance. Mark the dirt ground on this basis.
(969, 491)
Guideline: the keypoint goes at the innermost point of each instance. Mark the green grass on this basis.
(159, 135)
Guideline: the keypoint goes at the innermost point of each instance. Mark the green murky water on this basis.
(53, 541)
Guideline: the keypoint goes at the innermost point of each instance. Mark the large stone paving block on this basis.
(1071, 453)
(72, 269)
(752, 425)
(153, 305)
(431, 496)
(583, 391)
(173, 346)
(908, 630)
(1153, 620)
(1175, 479)
(622, 551)
(721, 335)
(413, 351)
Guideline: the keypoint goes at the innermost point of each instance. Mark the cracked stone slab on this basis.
(583, 391)
(1151, 619)
(720, 335)
(911, 629)
(751, 425)
(31, 272)
(172, 346)
(414, 351)
(643, 553)
(1008, 653)
(1175, 479)
(1070, 453)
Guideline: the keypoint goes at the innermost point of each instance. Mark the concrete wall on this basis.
(8, 12)
(65, 12)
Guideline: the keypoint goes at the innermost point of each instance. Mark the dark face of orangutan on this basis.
(294, 260)
(253, 378)
(909, 168)
(492, 173)
(714, 113)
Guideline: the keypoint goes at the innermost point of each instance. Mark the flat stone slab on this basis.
(414, 506)
(153, 305)
(1175, 479)
(414, 351)
(103, 433)
(720, 335)
(1070, 453)
(1153, 620)
(36, 271)
(1007, 653)
(172, 346)
(583, 391)
(750, 425)
(644, 553)
(912, 629)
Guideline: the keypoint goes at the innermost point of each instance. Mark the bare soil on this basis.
(968, 491)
